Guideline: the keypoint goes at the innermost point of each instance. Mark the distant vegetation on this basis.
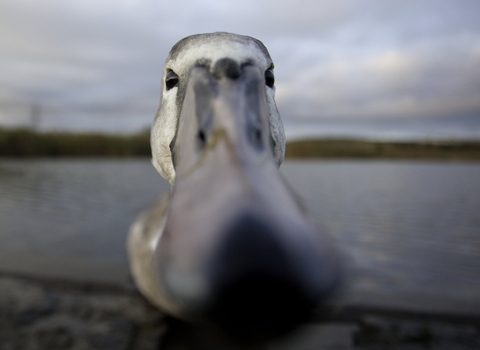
(27, 143)
(334, 148)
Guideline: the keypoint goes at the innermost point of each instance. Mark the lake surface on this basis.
(410, 230)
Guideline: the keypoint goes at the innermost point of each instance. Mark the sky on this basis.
(96, 65)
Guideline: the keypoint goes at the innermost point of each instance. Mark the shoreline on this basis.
(27, 143)
(46, 313)
(330, 148)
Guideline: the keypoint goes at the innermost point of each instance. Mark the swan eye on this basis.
(171, 80)
(269, 77)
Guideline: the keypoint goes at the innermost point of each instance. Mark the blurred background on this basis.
(373, 68)
(380, 100)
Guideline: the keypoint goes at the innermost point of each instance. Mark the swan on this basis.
(229, 246)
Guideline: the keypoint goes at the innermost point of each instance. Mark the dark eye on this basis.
(269, 77)
(171, 80)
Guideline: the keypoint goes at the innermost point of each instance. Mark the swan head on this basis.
(236, 252)
(207, 50)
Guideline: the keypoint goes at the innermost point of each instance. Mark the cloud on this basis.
(432, 74)
(91, 61)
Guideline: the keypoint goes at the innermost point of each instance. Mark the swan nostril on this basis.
(202, 139)
(257, 138)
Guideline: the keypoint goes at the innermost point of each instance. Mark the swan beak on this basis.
(237, 251)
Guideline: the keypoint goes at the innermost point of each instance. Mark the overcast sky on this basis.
(96, 64)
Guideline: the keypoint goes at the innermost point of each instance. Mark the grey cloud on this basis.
(85, 59)
(392, 83)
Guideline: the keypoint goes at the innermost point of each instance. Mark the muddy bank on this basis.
(49, 314)
(45, 314)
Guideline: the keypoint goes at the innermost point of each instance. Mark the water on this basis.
(410, 230)
(69, 218)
